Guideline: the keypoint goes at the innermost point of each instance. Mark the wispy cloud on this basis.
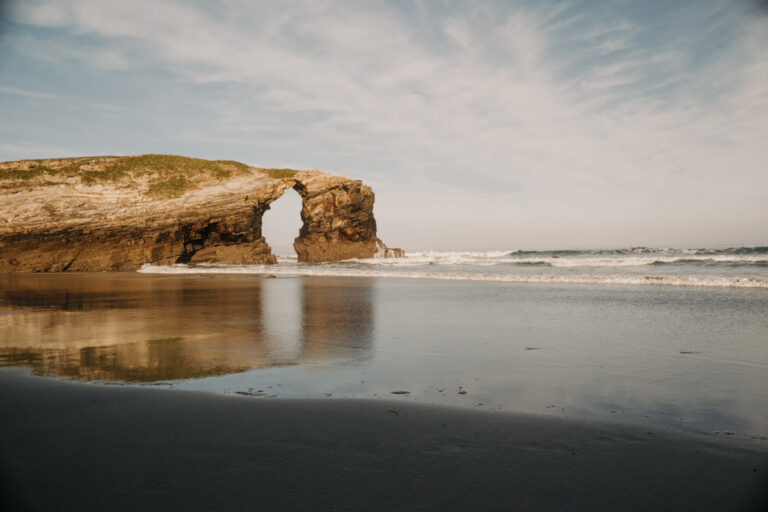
(29, 94)
(567, 110)
(58, 98)
(40, 151)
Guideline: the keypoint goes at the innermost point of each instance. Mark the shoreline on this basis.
(68, 445)
(653, 357)
(640, 280)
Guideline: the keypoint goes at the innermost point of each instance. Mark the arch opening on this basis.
(281, 225)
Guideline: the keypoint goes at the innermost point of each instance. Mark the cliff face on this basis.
(118, 213)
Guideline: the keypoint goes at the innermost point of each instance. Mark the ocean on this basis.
(738, 267)
(668, 338)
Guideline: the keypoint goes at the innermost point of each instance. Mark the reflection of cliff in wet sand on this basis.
(337, 320)
(143, 328)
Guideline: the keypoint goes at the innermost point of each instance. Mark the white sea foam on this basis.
(340, 270)
(583, 259)
(741, 267)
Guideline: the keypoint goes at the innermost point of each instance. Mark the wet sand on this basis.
(687, 359)
(68, 445)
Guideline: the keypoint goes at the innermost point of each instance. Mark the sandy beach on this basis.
(68, 446)
(193, 392)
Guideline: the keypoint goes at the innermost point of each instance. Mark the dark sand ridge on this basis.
(69, 445)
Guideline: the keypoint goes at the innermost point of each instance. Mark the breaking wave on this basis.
(319, 270)
(741, 267)
(651, 250)
(570, 259)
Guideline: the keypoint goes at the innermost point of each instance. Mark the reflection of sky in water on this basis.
(693, 359)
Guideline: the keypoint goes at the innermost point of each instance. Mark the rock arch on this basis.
(337, 218)
(221, 223)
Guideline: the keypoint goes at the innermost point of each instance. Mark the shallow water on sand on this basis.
(685, 358)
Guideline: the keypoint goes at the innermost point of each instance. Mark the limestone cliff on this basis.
(118, 213)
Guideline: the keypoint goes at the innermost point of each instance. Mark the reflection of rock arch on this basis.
(337, 319)
(140, 328)
(132, 328)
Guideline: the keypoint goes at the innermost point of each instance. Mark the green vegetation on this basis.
(172, 187)
(279, 174)
(36, 171)
(167, 168)
(165, 175)
(25, 174)
(23, 180)
(166, 165)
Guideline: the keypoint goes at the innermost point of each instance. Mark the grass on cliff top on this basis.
(168, 175)
(279, 174)
(164, 166)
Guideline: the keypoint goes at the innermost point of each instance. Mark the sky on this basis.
(479, 125)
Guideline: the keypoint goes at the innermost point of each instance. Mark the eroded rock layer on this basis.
(114, 213)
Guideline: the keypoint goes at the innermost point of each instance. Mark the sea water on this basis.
(741, 267)
(675, 339)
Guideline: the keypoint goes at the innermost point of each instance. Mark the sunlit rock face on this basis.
(338, 219)
(57, 220)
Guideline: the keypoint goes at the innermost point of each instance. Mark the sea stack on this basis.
(119, 213)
